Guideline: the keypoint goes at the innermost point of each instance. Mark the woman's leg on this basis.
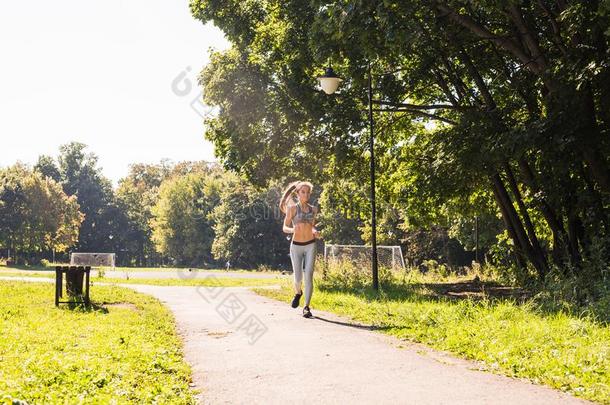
(310, 257)
(296, 257)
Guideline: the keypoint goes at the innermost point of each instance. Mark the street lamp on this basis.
(330, 83)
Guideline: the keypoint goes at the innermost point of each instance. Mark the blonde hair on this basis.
(291, 191)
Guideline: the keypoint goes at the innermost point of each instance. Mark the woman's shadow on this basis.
(352, 325)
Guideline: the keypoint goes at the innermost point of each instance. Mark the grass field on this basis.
(569, 353)
(122, 350)
(502, 327)
(51, 267)
(215, 281)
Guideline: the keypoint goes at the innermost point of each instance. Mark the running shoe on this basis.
(307, 312)
(296, 300)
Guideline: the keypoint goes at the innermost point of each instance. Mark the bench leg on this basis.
(58, 282)
(87, 301)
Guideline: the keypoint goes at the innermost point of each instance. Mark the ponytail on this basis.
(287, 192)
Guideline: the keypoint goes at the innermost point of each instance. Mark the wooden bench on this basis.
(74, 283)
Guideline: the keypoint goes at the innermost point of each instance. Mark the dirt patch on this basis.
(218, 334)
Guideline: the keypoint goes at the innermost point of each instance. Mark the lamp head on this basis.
(329, 81)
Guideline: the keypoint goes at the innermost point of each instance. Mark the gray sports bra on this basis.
(303, 217)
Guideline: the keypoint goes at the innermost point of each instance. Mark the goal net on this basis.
(92, 259)
(387, 256)
(99, 260)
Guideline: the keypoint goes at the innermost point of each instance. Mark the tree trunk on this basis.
(540, 254)
(591, 143)
(574, 231)
(600, 213)
(521, 261)
(561, 249)
(511, 217)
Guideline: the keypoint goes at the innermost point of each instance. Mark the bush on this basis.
(350, 274)
(265, 268)
(101, 272)
(577, 295)
(437, 244)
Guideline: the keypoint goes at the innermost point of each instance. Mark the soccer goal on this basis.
(388, 256)
(103, 260)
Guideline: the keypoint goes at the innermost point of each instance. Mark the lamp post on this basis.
(330, 83)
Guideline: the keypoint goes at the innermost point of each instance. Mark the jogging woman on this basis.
(302, 216)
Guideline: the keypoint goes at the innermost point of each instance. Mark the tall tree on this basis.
(35, 213)
(48, 168)
(248, 225)
(136, 195)
(513, 96)
(104, 227)
(180, 225)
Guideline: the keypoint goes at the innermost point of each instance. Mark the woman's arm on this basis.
(291, 210)
(315, 232)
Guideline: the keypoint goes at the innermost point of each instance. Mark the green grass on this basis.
(51, 267)
(175, 269)
(46, 274)
(128, 353)
(569, 353)
(216, 281)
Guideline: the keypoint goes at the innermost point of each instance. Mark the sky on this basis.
(117, 75)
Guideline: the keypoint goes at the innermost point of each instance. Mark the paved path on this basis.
(245, 348)
(326, 360)
(186, 274)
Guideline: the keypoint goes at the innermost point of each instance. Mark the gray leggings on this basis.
(298, 255)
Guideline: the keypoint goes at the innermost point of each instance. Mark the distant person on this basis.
(302, 215)
(228, 265)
